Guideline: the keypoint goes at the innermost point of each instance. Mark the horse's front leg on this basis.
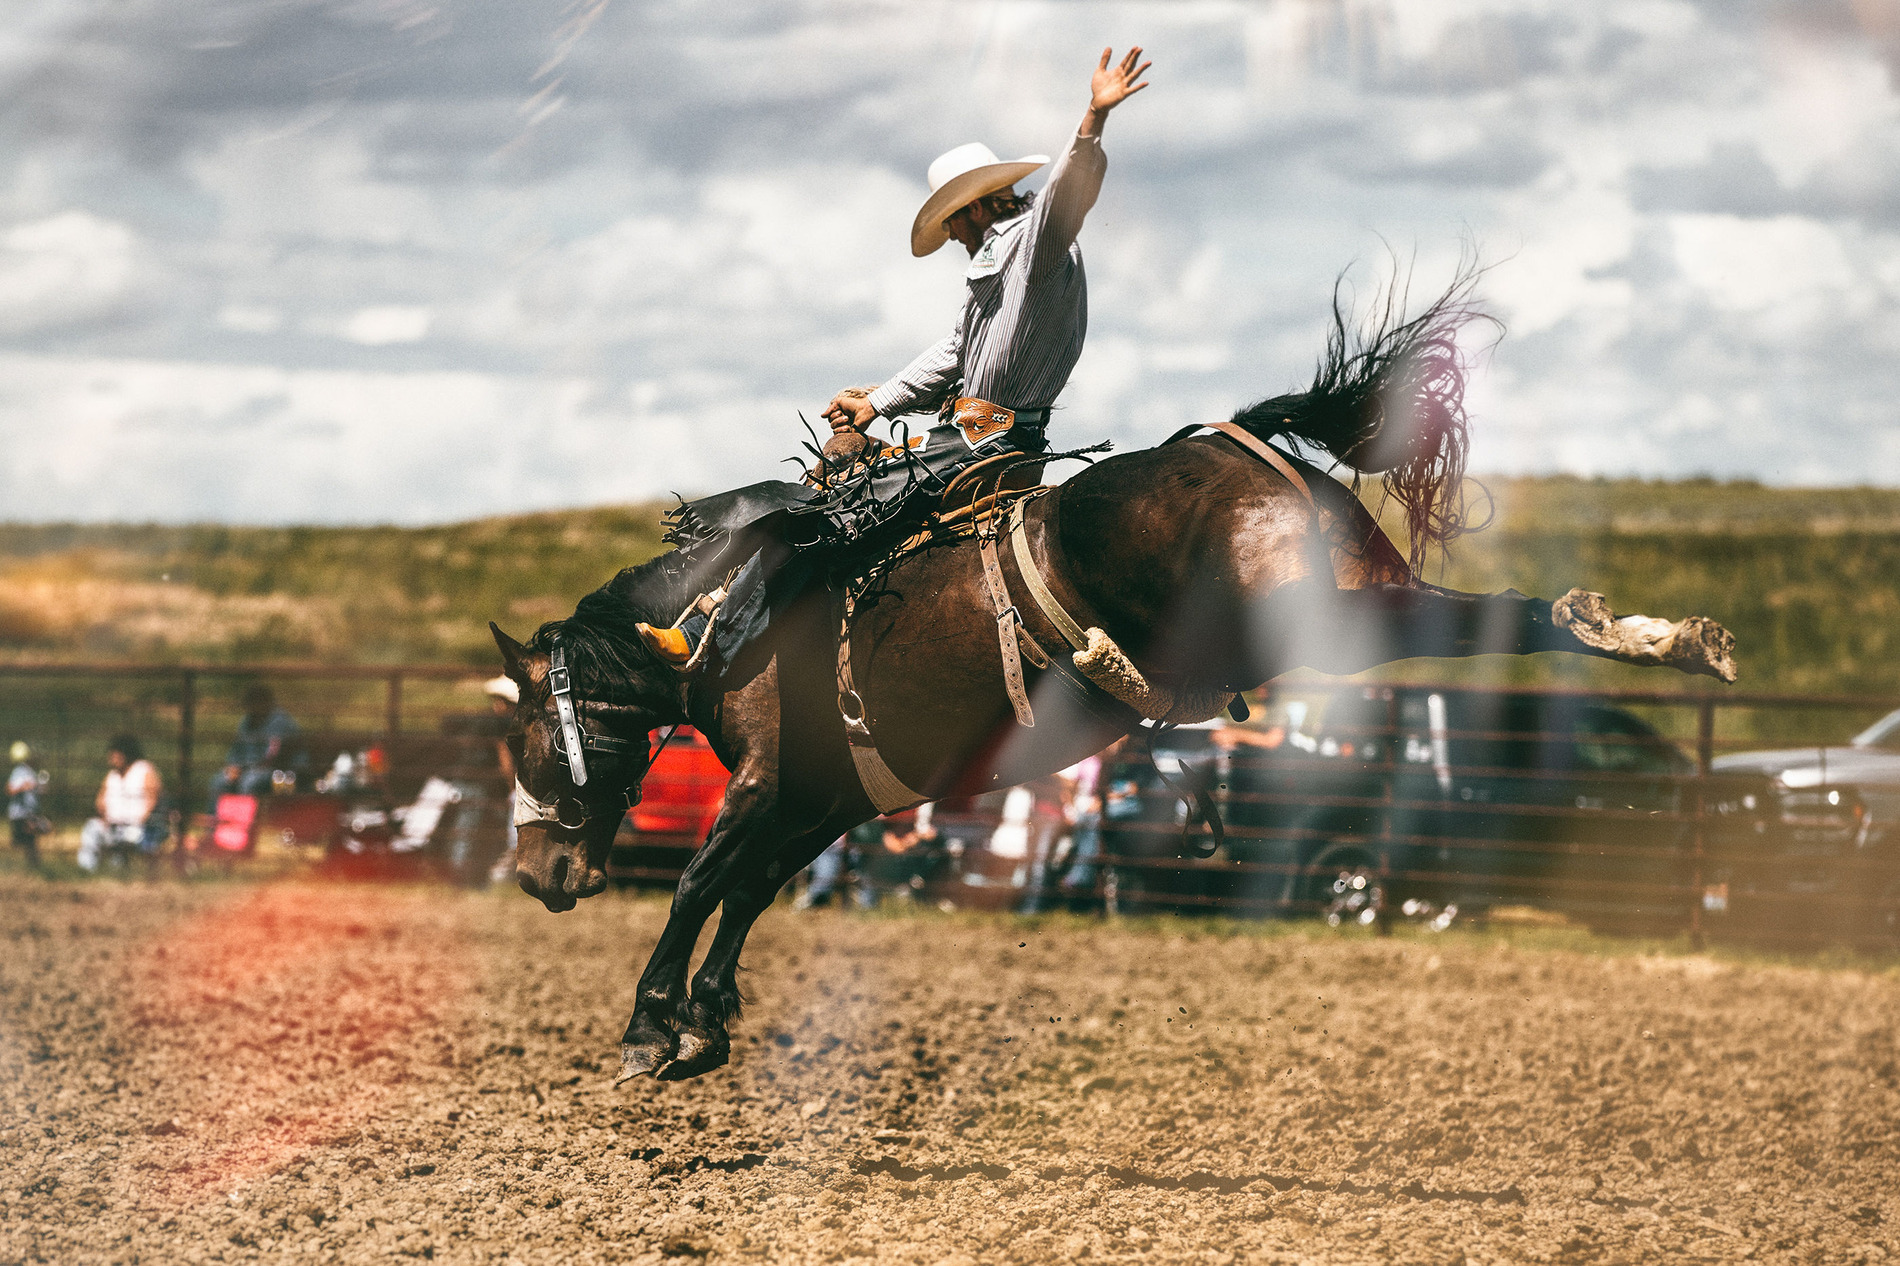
(704, 1043)
(748, 818)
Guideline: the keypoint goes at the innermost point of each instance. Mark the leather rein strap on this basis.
(1038, 589)
(1008, 619)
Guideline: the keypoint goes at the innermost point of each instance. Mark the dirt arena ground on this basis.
(327, 1073)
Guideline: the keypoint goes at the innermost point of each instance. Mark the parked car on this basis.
(1839, 847)
(1438, 796)
(1869, 763)
(678, 801)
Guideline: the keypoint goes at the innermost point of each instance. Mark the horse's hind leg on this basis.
(1349, 630)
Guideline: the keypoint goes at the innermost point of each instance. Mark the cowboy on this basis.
(1024, 316)
(1025, 308)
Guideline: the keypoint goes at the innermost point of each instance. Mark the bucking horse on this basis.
(1149, 588)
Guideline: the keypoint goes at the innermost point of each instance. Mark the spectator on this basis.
(1080, 789)
(899, 856)
(127, 802)
(829, 870)
(24, 819)
(265, 743)
(884, 854)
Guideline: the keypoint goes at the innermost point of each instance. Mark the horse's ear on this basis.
(513, 653)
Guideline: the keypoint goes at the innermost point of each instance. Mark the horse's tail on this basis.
(1389, 399)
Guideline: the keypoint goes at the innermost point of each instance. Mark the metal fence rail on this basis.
(1491, 796)
(184, 715)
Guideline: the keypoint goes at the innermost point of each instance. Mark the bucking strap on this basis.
(1006, 621)
(1032, 577)
(1255, 445)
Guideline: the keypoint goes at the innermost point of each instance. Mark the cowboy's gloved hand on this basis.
(850, 410)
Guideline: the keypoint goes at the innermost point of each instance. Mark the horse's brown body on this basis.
(1167, 550)
(1206, 565)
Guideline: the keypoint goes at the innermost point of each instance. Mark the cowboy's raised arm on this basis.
(1077, 177)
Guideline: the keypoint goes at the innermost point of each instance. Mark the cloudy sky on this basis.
(413, 260)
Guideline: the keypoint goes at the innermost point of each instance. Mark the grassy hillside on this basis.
(1808, 579)
(354, 595)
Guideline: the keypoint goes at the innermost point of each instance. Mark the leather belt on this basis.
(980, 421)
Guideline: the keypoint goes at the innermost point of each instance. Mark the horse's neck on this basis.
(659, 590)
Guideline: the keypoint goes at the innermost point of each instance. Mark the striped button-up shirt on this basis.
(1027, 306)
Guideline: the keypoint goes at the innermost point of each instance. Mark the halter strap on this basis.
(563, 690)
(575, 742)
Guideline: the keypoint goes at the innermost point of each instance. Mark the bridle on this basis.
(575, 744)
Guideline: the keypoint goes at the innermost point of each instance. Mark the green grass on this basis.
(1807, 579)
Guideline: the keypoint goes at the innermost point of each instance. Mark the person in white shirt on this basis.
(1025, 308)
(126, 801)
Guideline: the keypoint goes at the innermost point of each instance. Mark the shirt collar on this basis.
(1006, 226)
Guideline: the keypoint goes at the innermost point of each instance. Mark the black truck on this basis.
(1378, 797)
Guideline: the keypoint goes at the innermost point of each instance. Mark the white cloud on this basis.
(385, 324)
(1747, 265)
(69, 267)
(250, 318)
(385, 294)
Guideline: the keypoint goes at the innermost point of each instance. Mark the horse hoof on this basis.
(1703, 646)
(698, 1053)
(1694, 645)
(641, 1061)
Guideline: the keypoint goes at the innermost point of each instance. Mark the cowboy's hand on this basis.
(1109, 87)
(850, 411)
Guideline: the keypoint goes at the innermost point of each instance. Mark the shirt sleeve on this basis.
(922, 383)
(1065, 201)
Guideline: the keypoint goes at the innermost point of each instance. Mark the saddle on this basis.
(977, 495)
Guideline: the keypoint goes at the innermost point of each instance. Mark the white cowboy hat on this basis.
(502, 688)
(957, 179)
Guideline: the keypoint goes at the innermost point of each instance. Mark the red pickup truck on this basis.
(679, 800)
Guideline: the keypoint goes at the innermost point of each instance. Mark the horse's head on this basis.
(579, 760)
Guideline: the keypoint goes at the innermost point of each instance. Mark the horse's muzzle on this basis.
(557, 872)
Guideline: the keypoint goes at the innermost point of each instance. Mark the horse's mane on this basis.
(1388, 398)
(605, 653)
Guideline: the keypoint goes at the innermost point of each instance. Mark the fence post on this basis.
(187, 735)
(1704, 761)
(392, 707)
(1388, 745)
